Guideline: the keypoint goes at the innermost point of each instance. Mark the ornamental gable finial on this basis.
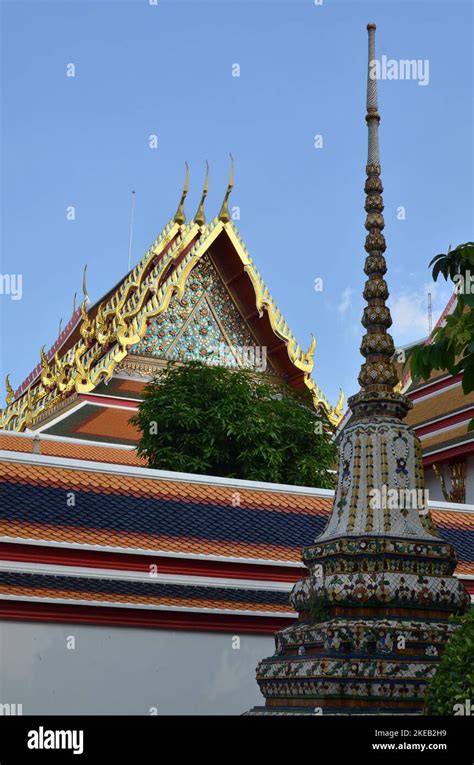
(224, 214)
(180, 216)
(200, 217)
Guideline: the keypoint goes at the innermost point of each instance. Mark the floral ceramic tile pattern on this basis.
(204, 324)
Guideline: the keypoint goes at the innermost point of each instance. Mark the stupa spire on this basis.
(378, 572)
(372, 117)
(378, 376)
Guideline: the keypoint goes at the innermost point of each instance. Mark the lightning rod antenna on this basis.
(131, 231)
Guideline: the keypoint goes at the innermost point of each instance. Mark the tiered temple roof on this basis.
(195, 290)
(440, 417)
(82, 525)
(442, 411)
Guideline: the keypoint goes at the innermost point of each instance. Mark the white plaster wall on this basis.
(127, 671)
(433, 485)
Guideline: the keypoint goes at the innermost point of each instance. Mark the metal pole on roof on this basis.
(131, 232)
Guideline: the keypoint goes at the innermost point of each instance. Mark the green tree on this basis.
(214, 421)
(452, 346)
(453, 682)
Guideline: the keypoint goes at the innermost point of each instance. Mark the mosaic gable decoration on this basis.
(374, 606)
(203, 324)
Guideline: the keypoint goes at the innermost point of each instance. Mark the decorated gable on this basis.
(195, 295)
(204, 324)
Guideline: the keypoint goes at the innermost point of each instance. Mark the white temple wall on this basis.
(119, 670)
(433, 485)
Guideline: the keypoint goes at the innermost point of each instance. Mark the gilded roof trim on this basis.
(122, 320)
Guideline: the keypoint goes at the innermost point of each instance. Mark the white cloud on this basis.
(346, 300)
(410, 311)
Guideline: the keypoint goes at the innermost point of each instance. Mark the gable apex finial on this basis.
(84, 286)
(180, 216)
(200, 217)
(224, 214)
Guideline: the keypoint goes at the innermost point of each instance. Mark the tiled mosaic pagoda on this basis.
(374, 609)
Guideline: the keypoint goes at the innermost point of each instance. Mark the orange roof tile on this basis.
(73, 450)
(74, 480)
(109, 421)
(172, 515)
(110, 597)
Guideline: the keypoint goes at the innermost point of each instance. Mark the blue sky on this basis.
(143, 69)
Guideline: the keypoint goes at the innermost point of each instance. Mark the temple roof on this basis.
(100, 336)
(222, 547)
(442, 411)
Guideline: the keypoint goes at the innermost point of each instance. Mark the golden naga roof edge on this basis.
(122, 321)
(20, 412)
(302, 360)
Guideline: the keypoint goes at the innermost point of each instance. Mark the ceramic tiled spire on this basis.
(378, 375)
(373, 610)
(371, 459)
(378, 372)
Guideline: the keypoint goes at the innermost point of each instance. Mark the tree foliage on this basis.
(452, 346)
(453, 682)
(214, 421)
